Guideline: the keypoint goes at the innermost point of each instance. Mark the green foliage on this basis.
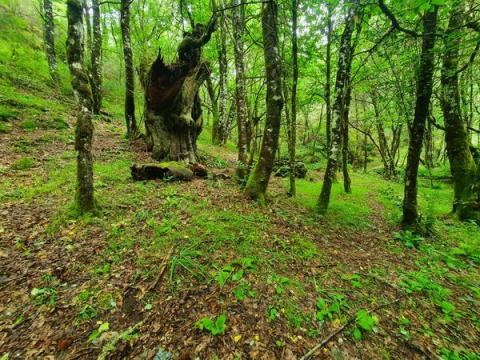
(103, 327)
(215, 327)
(23, 163)
(29, 125)
(409, 238)
(365, 323)
(328, 308)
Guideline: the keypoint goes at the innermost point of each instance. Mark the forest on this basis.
(240, 179)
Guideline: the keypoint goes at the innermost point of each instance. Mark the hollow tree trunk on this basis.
(173, 114)
(258, 180)
(240, 96)
(462, 164)
(81, 90)
(96, 73)
(131, 123)
(341, 89)
(417, 129)
(49, 37)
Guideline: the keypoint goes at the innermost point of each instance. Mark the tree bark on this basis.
(258, 180)
(96, 73)
(328, 72)
(173, 114)
(417, 129)
(132, 130)
(49, 38)
(341, 92)
(81, 90)
(346, 109)
(462, 164)
(88, 24)
(293, 120)
(219, 129)
(240, 96)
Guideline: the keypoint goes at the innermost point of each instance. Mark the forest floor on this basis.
(195, 269)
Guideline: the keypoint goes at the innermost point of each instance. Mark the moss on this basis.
(29, 125)
(23, 163)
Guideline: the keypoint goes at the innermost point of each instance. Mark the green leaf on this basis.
(366, 321)
(357, 334)
(238, 275)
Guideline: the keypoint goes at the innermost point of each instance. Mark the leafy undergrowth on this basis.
(196, 270)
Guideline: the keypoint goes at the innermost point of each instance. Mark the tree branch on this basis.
(394, 20)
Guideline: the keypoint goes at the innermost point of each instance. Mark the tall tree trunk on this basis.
(96, 58)
(81, 90)
(49, 38)
(213, 100)
(428, 146)
(293, 120)
(132, 130)
(462, 164)
(173, 112)
(258, 180)
(88, 24)
(341, 92)
(385, 154)
(219, 129)
(328, 72)
(238, 14)
(417, 129)
(346, 108)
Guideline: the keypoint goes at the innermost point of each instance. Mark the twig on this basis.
(163, 267)
(341, 328)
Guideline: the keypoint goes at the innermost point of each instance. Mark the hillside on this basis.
(193, 269)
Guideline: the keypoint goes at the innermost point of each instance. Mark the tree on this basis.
(219, 128)
(173, 113)
(81, 90)
(96, 73)
(417, 128)
(342, 98)
(49, 37)
(293, 120)
(238, 19)
(132, 130)
(462, 164)
(259, 178)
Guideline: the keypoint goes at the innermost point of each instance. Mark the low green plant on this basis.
(215, 327)
(23, 163)
(44, 296)
(95, 334)
(409, 238)
(364, 323)
(28, 125)
(328, 308)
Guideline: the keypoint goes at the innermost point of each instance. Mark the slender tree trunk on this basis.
(240, 96)
(132, 130)
(96, 58)
(219, 129)
(88, 24)
(258, 180)
(346, 108)
(417, 129)
(462, 164)
(49, 37)
(213, 100)
(293, 120)
(341, 90)
(328, 86)
(81, 90)
(428, 146)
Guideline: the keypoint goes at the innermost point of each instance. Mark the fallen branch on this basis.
(343, 327)
(163, 267)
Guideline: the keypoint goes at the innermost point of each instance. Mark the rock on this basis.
(162, 354)
(281, 168)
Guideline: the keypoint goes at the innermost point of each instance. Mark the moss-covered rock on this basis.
(171, 170)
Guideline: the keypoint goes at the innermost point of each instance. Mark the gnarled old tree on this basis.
(173, 114)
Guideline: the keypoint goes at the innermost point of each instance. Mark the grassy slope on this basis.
(273, 271)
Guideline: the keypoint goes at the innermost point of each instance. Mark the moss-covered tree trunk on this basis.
(219, 128)
(132, 130)
(96, 74)
(173, 114)
(417, 129)
(49, 37)
(238, 14)
(258, 180)
(81, 90)
(462, 164)
(341, 93)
